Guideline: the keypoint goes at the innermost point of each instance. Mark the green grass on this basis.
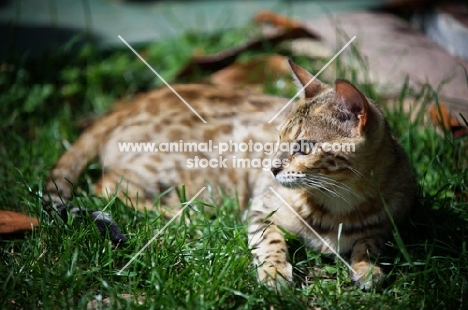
(205, 264)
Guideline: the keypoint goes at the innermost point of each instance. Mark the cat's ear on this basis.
(355, 103)
(302, 77)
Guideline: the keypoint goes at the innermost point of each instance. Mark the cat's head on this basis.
(324, 140)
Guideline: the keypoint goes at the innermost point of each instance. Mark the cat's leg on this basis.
(132, 190)
(127, 186)
(269, 249)
(366, 274)
(103, 221)
(106, 226)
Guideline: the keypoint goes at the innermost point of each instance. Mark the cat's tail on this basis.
(65, 174)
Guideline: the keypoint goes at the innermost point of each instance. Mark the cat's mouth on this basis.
(290, 179)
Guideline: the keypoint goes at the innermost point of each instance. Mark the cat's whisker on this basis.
(315, 185)
(355, 171)
(319, 185)
(339, 185)
(321, 179)
(323, 190)
(325, 181)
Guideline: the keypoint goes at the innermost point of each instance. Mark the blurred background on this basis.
(35, 26)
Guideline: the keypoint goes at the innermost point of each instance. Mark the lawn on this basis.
(45, 104)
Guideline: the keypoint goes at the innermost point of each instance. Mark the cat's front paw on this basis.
(367, 276)
(275, 275)
(103, 221)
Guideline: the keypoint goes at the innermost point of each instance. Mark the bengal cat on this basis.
(309, 184)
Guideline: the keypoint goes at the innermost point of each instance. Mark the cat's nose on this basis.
(276, 170)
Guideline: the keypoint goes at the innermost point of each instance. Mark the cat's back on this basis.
(188, 134)
(191, 113)
(198, 102)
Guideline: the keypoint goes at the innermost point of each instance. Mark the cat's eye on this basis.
(302, 147)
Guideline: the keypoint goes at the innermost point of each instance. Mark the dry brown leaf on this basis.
(13, 222)
(287, 30)
(277, 20)
(259, 70)
(441, 116)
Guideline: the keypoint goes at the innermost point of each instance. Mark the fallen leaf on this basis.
(257, 71)
(277, 20)
(272, 37)
(13, 222)
(441, 116)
